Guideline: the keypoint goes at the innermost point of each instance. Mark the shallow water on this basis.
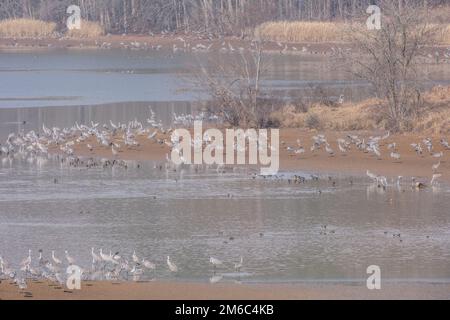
(278, 228)
(56, 77)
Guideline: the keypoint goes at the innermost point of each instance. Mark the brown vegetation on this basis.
(26, 28)
(434, 117)
(88, 29)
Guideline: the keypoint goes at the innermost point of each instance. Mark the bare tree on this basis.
(234, 86)
(388, 58)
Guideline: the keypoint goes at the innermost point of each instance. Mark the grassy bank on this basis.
(301, 31)
(26, 28)
(31, 29)
(319, 32)
(434, 116)
(89, 29)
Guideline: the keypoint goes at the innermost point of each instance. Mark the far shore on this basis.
(159, 290)
(354, 162)
(182, 42)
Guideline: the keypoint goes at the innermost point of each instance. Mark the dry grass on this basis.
(443, 36)
(26, 28)
(301, 31)
(317, 32)
(434, 117)
(89, 29)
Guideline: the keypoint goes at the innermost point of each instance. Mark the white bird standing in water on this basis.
(172, 266)
(95, 257)
(238, 266)
(55, 259)
(435, 177)
(215, 262)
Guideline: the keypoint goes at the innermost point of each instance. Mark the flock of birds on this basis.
(372, 147)
(105, 266)
(121, 137)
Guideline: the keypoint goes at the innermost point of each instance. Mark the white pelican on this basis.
(55, 259)
(172, 266)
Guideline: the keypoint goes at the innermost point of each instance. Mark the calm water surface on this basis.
(276, 227)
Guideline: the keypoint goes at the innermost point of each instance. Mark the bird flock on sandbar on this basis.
(372, 147)
(105, 266)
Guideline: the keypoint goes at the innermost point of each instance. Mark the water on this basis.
(275, 226)
(43, 78)
(278, 228)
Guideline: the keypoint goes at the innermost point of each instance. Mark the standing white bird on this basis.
(172, 266)
(329, 150)
(69, 259)
(436, 166)
(238, 266)
(215, 262)
(55, 259)
(135, 257)
(95, 257)
(27, 261)
(395, 155)
(434, 178)
(148, 264)
(114, 151)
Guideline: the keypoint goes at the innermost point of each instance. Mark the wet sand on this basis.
(227, 291)
(355, 162)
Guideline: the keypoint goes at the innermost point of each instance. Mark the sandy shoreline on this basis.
(354, 162)
(227, 291)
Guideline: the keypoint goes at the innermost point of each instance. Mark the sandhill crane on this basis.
(238, 266)
(215, 262)
(95, 257)
(395, 155)
(434, 178)
(69, 259)
(172, 266)
(436, 166)
(55, 259)
(148, 264)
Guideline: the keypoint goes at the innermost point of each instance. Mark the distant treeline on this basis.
(212, 16)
